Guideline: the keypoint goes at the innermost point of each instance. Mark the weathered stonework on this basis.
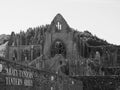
(62, 51)
(65, 35)
(67, 53)
(60, 43)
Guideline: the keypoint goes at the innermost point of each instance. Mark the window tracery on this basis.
(58, 25)
(58, 48)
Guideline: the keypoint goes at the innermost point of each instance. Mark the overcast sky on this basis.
(100, 17)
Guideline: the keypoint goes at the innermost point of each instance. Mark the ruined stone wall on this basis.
(24, 52)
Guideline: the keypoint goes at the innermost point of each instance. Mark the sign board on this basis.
(18, 77)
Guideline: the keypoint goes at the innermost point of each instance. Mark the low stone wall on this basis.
(15, 76)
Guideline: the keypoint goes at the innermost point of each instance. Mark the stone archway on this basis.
(58, 47)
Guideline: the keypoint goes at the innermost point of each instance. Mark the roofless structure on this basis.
(91, 62)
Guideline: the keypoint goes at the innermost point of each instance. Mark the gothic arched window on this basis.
(58, 48)
(58, 25)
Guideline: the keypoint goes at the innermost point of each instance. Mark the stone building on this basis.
(79, 58)
(66, 51)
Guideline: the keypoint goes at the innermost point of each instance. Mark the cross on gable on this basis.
(58, 26)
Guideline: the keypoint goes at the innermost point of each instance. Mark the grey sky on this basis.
(100, 17)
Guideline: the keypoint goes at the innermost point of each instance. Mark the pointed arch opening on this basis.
(58, 47)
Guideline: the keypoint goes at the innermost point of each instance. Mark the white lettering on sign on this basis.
(18, 77)
(19, 73)
(28, 82)
(13, 81)
(12, 72)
